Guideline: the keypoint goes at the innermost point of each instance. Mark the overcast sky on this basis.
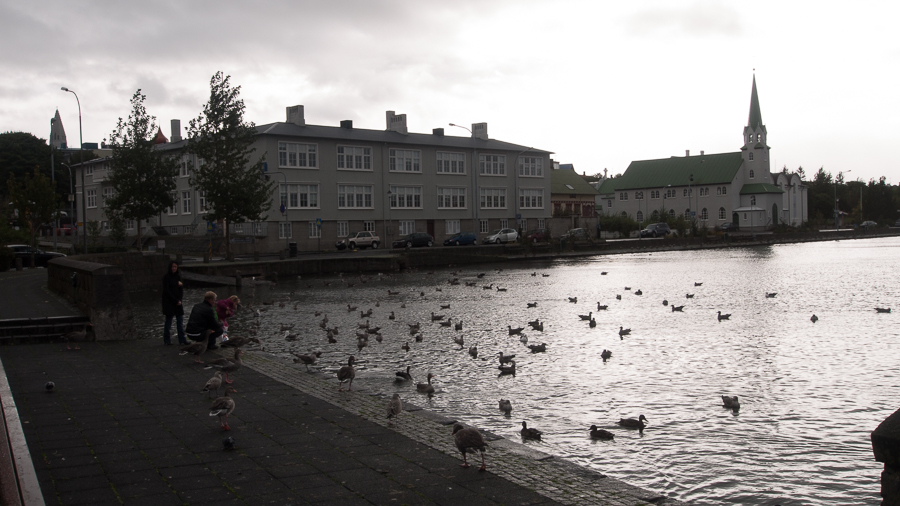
(598, 83)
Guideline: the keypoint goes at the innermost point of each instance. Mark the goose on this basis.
(391, 316)
(586, 317)
(346, 373)
(403, 376)
(573, 299)
(516, 331)
(488, 287)
(534, 323)
(196, 348)
(731, 402)
(618, 297)
(405, 346)
(81, 335)
(688, 296)
(468, 440)
(367, 314)
(438, 289)
(501, 289)
(545, 275)
(222, 407)
(533, 274)
(814, 319)
(523, 339)
(393, 293)
(721, 316)
(592, 323)
(480, 275)
(436, 317)
(325, 319)
(530, 433)
(457, 326)
(697, 284)
(288, 336)
(601, 308)
(373, 330)
(603, 273)
(418, 338)
(237, 342)
(445, 323)
(532, 304)
(631, 423)
(426, 388)
(538, 348)
(414, 326)
(677, 308)
(403, 305)
(360, 344)
(459, 340)
(395, 407)
(323, 324)
(605, 355)
(473, 350)
(882, 310)
(378, 338)
(639, 292)
(331, 338)
(445, 306)
(506, 406)
(627, 288)
(771, 295)
(213, 383)
(600, 433)
(377, 303)
(362, 335)
(308, 360)
(350, 308)
(508, 369)
(665, 302)
(623, 331)
(505, 359)
(471, 284)
(227, 366)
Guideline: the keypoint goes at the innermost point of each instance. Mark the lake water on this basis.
(810, 393)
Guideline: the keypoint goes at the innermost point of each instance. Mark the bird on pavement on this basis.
(395, 407)
(213, 383)
(196, 348)
(227, 365)
(77, 336)
(468, 439)
(307, 360)
(347, 373)
(222, 407)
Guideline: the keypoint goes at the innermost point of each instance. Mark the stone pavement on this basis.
(127, 425)
(24, 294)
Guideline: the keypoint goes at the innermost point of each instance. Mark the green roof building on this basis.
(736, 187)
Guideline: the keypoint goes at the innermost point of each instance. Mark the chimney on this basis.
(347, 123)
(437, 131)
(701, 152)
(479, 131)
(295, 115)
(395, 122)
(687, 152)
(176, 130)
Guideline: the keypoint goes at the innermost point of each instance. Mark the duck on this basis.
(592, 323)
(436, 317)
(627, 288)
(631, 423)
(222, 407)
(505, 359)
(586, 317)
(538, 348)
(530, 433)
(213, 383)
(77, 336)
(426, 388)
(814, 318)
(771, 295)
(601, 308)
(226, 365)
(623, 331)
(516, 331)
(545, 275)
(532, 304)
(403, 375)
(508, 369)
(403, 305)
(677, 308)
(665, 302)
(603, 273)
(330, 337)
(480, 275)
(373, 330)
(391, 316)
(473, 350)
(346, 373)
(361, 343)
(418, 338)
(523, 339)
(882, 310)
(284, 327)
(446, 323)
(697, 284)
(196, 348)
(308, 360)
(731, 402)
(639, 292)
(378, 338)
(405, 346)
(573, 300)
(468, 439)
(237, 342)
(414, 327)
(395, 407)
(505, 406)
(445, 306)
(501, 289)
(605, 355)
(457, 326)
(600, 433)
(487, 287)
(618, 297)
(688, 296)
(393, 293)
(459, 340)
(721, 316)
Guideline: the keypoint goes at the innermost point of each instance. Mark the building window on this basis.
(531, 166)
(296, 155)
(314, 231)
(492, 165)
(368, 226)
(640, 217)
(92, 198)
(671, 213)
(688, 192)
(654, 194)
(237, 228)
(609, 203)
(751, 174)
(284, 230)
(624, 214)
(750, 156)
(343, 228)
(704, 192)
(623, 195)
(752, 200)
(129, 224)
(354, 197)
(704, 214)
(409, 197)
(186, 202)
(173, 230)
(107, 194)
(89, 171)
(483, 226)
(504, 223)
(724, 190)
(540, 223)
(451, 198)
(670, 193)
(718, 190)
(451, 163)
(300, 196)
(687, 213)
(202, 201)
(451, 227)
(406, 227)
(405, 160)
(493, 198)
(638, 195)
(721, 213)
(188, 229)
(354, 158)
(185, 166)
(531, 199)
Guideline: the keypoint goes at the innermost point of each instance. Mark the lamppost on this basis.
(53, 183)
(389, 233)
(287, 246)
(477, 202)
(71, 199)
(836, 211)
(690, 194)
(81, 151)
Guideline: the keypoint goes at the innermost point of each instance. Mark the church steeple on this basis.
(756, 148)
(57, 132)
(755, 116)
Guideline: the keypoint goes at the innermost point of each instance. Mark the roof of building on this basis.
(757, 188)
(755, 119)
(565, 181)
(677, 171)
(391, 137)
(160, 137)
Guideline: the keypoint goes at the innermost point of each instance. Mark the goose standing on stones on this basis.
(600, 433)
(530, 433)
(346, 373)
(395, 407)
(426, 388)
(213, 383)
(222, 407)
(631, 423)
(308, 360)
(79, 336)
(196, 348)
(403, 376)
(468, 440)
(505, 406)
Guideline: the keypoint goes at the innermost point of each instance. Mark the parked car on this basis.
(576, 234)
(727, 227)
(656, 230)
(461, 239)
(537, 235)
(41, 257)
(868, 224)
(414, 240)
(501, 235)
(359, 240)
(64, 230)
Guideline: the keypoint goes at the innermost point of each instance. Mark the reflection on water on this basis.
(810, 393)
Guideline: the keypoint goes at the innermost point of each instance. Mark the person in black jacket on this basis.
(203, 322)
(172, 293)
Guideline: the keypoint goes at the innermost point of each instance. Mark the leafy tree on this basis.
(221, 140)
(35, 201)
(143, 180)
(117, 232)
(93, 231)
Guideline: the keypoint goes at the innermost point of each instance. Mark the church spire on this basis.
(755, 119)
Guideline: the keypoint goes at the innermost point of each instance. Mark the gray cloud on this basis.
(698, 19)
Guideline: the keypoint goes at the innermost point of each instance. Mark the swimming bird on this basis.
(731, 402)
(601, 308)
(213, 383)
(603, 273)
(77, 336)
(426, 388)
(573, 299)
(487, 287)
(592, 323)
(391, 316)
(473, 350)
(361, 342)
(697, 284)
(222, 407)
(628, 288)
(330, 337)
(403, 376)
(623, 331)
(771, 295)
(600, 433)
(677, 308)
(882, 309)
(501, 289)
(436, 317)
(446, 323)
(196, 348)
(722, 316)
(665, 302)
(395, 407)
(523, 339)
(530, 433)
(445, 306)
(688, 296)
(308, 360)
(468, 439)
(457, 326)
(480, 275)
(605, 355)
(405, 346)
(532, 304)
(639, 292)
(346, 373)
(516, 331)
(618, 297)
(814, 319)
(459, 340)
(586, 317)
(505, 359)
(286, 327)
(538, 348)
(506, 406)
(545, 275)
(418, 338)
(508, 369)
(631, 423)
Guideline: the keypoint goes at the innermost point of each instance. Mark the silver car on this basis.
(502, 235)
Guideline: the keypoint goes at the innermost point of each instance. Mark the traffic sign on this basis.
(319, 222)
(281, 208)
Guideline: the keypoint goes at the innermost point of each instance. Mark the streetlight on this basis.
(287, 246)
(476, 196)
(836, 211)
(690, 216)
(390, 229)
(71, 199)
(81, 150)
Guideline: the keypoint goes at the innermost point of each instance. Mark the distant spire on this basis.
(160, 138)
(755, 116)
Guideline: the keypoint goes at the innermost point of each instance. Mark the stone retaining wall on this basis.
(141, 271)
